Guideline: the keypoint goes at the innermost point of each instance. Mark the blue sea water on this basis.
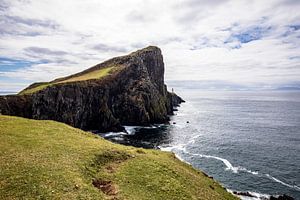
(248, 141)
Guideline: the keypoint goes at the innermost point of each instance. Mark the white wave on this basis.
(148, 127)
(168, 149)
(283, 183)
(158, 125)
(174, 148)
(118, 138)
(193, 139)
(180, 114)
(252, 172)
(131, 129)
(181, 159)
(255, 196)
(228, 165)
(113, 134)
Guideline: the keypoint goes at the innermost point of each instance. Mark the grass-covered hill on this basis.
(51, 160)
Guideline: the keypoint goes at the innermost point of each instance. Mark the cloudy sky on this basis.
(244, 42)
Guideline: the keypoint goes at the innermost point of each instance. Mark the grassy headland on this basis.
(51, 160)
(96, 74)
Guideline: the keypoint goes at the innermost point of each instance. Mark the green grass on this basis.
(97, 74)
(35, 89)
(50, 160)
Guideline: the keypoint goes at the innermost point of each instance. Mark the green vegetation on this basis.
(35, 89)
(50, 160)
(96, 74)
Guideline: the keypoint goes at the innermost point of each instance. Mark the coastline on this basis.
(244, 195)
(52, 160)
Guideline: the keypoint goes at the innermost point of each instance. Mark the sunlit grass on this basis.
(50, 160)
(96, 74)
(35, 89)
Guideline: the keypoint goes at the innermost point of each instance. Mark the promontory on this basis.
(126, 90)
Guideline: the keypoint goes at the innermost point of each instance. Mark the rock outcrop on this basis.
(132, 93)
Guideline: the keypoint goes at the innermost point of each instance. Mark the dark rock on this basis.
(281, 197)
(175, 100)
(187, 121)
(247, 194)
(135, 95)
(205, 174)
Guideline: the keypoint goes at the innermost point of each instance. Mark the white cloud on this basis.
(201, 40)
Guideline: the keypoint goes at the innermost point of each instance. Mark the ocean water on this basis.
(248, 141)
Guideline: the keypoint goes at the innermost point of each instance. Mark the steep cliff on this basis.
(127, 90)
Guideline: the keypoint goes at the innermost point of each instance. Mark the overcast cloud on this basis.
(245, 42)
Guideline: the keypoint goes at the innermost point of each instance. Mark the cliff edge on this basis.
(126, 90)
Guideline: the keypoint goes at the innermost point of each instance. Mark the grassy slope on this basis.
(91, 75)
(97, 74)
(50, 160)
(35, 89)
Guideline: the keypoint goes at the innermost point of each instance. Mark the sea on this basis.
(249, 141)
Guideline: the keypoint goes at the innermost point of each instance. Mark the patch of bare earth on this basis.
(107, 187)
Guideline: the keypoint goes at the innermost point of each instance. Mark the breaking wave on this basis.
(228, 165)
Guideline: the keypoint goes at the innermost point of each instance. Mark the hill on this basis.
(42, 159)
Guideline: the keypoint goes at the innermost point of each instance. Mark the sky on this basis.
(253, 43)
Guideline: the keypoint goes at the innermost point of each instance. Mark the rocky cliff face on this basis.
(133, 94)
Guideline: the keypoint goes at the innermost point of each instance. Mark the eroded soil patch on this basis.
(107, 187)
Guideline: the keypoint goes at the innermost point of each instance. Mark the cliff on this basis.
(127, 90)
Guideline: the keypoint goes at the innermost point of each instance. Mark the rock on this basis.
(133, 95)
(247, 194)
(281, 197)
(187, 122)
(176, 100)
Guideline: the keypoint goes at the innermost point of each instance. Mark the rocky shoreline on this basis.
(262, 197)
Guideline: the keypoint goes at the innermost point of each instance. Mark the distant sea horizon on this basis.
(202, 89)
(7, 92)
